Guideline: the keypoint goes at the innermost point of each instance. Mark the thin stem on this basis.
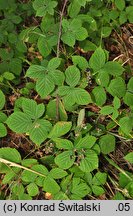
(12, 164)
(60, 28)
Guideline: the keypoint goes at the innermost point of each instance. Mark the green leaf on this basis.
(129, 13)
(99, 95)
(123, 17)
(54, 63)
(10, 176)
(44, 46)
(45, 86)
(129, 157)
(90, 162)
(40, 169)
(28, 176)
(128, 99)
(97, 60)
(74, 8)
(115, 114)
(3, 4)
(124, 180)
(97, 190)
(64, 90)
(86, 142)
(59, 129)
(4, 168)
(126, 124)
(50, 185)
(80, 61)
(9, 76)
(120, 4)
(3, 130)
(88, 45)
(81, 34)
(68, 39)
(10, 154)
(79, 188)
(39, 131)
(2, 100)
(3, 117)
(44, 6)
(116, 103)
(99, 178)
(106, 31)
(65, 182)
(130, 84)
(31, 108)
(65, 160)
(72, 75)
(17, 189)
(63, 143)
(69, 102)
(75, 96)
(82, 97)
(102, 78)
(24, 196)
(60, 196)
(19, 122)
(83, 2)
(129, 188)
(29, 162)
(118, 196)
(15, 65)
(107, 143)
(57, 77)
(39, 181)
(57, 173)
(32, 189)
(117, 87)
(36, 71)
(106, 110)
(72, 31)
(113, 68)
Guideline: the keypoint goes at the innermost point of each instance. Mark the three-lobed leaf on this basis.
(44, 6)
(72, 31)
(31, 108)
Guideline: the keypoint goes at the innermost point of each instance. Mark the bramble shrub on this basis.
(53, 88)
